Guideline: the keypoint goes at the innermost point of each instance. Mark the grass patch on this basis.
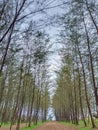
(81, 125)
(5, 124)
(89, 126)
(32, 126)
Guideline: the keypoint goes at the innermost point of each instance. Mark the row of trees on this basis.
(24, 51)
(24, 82)
(76, 96)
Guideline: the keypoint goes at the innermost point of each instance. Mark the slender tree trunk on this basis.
(17, 98)
(19, 117)
(75, 99)
(85, 87)
(32, 101)
(37, 110)
(81, 106)
(28, 111)
(92, 18)
(2, 85)
(92, 69)
(6, 50)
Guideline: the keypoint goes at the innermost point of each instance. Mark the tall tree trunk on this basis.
(2, 85)
(21, 107)
(6, 49)
(75, 99)
(80, 98)
(37, 109)
(92, 18)
(85, 87)
(92, 69)
(17, 98)
(32, 101)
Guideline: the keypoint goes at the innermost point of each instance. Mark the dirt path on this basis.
(47, 126)
(55, 126)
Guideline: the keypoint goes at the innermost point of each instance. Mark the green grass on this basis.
(89, 126)
(25, 128)
(6, 124)
(32, 126)
(81, 125)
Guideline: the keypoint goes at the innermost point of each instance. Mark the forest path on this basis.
(55, 126)
(47, 126)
